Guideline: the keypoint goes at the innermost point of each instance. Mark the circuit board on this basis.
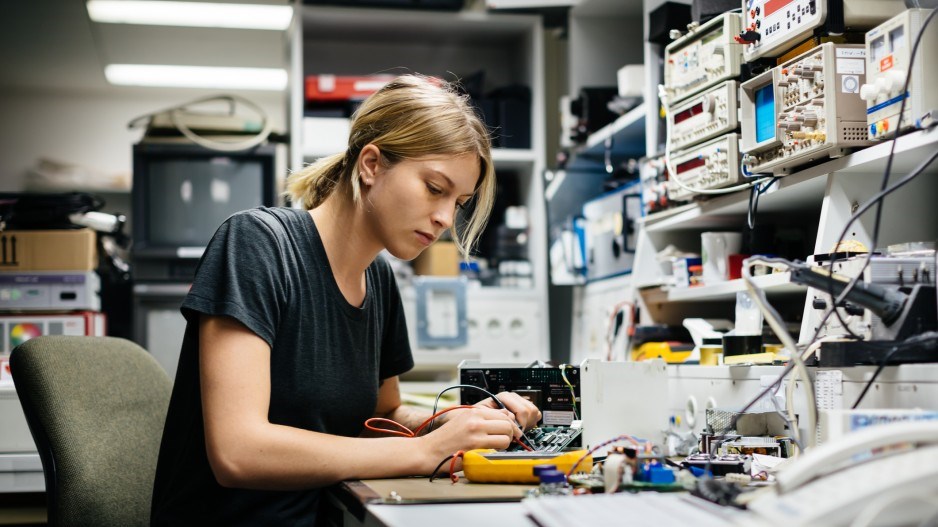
(551, 439)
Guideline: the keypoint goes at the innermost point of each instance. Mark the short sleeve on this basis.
(242, 275)
(396, 355)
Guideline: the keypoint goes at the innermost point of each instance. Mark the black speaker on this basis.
(668, 16)
(703, 10)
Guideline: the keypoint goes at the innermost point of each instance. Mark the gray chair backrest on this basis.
(96, 408)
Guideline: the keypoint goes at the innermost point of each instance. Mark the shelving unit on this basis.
(619, 140)
(599, 43)
(815, 200)
(507, 50)
(824, 195)
(773, 284)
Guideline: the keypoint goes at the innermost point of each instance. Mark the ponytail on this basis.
(313, 184)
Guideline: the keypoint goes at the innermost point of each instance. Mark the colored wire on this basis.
(438, 467)
(563, 370)
(483, 390)
(452, 466)
(370, 424)
(404, 431)
(623, 437)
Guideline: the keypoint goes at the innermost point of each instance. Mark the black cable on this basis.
(883, 186)
(754, 192)
(907, 343)
(501, 405)
(856, 215)
(879, 369)
(438, 467)
(436, 403)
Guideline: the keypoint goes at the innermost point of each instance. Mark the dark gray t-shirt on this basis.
(268, 269)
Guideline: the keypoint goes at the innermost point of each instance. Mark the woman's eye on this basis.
(433, 190)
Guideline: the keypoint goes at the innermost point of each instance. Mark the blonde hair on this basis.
(409, 118)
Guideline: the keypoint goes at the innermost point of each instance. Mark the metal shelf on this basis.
(800, 191)
(773, 284)
(623, 138)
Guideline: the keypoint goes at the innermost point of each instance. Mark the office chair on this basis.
(95, 407)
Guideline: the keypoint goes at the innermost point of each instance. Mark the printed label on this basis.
(850, 84)
(850, 66)
(851, 53)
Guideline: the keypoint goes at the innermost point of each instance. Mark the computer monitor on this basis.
(183, 192)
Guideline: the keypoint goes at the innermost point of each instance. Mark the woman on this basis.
(295, 331)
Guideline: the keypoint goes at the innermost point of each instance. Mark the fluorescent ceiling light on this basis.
(196, 77)
(193, 14)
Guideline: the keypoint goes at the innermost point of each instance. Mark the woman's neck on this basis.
(346, 237)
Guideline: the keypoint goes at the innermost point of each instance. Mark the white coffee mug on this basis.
(715, 248)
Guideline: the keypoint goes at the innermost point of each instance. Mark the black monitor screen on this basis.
(183, 197)
(189, 199)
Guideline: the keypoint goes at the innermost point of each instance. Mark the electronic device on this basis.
(329, 89)
(654, 178)
(890, 302)
(18, 328)
(491, 466)
(837, 423)
(623, 397)
(50, 291)
(590, 108)
(888, 55)
(183, 192)
(703, 57)
(711, 165)
(835, 482)
(805, 109)
(610, 231)
(772, 27)
(703, 116)
(555, 391)
(719, 465)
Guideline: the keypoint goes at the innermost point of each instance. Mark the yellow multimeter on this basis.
(492, 466)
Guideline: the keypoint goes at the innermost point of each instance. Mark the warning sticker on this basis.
(885, 63)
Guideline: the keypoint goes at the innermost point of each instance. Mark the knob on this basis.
(868, 92)
(896, 80)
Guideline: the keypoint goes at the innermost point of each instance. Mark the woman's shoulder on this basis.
(272, 219)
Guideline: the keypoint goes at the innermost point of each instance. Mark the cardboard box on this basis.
(48, 250)
(439, 259)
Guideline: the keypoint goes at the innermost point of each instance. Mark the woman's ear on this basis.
(368, 162)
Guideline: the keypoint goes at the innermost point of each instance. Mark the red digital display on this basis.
(774, 5)
(688, 113)
(690, 164)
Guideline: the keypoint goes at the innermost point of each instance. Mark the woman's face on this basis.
(411, 203)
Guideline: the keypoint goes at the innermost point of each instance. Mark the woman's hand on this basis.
(470, 429)
(521, 409)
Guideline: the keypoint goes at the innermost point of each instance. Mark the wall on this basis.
(88, 128)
